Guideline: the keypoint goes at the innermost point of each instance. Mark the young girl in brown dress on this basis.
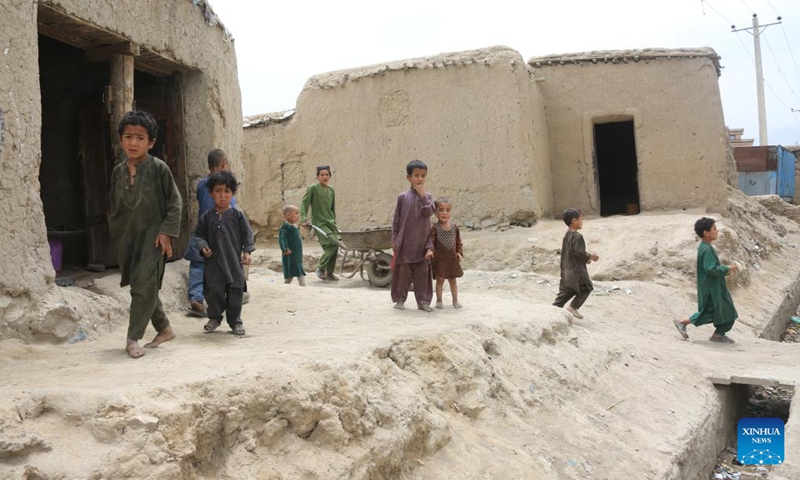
(447, 252)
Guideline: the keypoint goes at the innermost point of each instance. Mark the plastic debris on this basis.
(531, 387)
(795, 319)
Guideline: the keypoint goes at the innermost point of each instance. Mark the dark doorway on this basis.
(617, 169)
(75, 149)
(77, 156)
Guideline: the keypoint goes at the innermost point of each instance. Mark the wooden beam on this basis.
(103, 54)
(121, 97)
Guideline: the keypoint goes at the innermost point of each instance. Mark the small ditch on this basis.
(749, 401)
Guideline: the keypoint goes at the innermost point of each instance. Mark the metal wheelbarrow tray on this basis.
(367, 248)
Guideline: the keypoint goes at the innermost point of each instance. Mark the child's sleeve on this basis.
(428, 206)
(459, 246)
(579, 248)
(711, 264)
(333, 203)
(396, 219)
(305, 203)
(282, 240)
(201, 232)
(171, 225)
(248, 239)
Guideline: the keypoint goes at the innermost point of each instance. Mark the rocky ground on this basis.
(331, 382)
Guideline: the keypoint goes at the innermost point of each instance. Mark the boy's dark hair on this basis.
(570, 214)
(222, 178)
(215, 158)
(415, 164)
(324, 167)
(703, 225)
(140, 118)
(439, 201)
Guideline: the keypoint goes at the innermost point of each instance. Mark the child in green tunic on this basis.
(292, 246)
(144, 216)
(322, 200)
(715, 304)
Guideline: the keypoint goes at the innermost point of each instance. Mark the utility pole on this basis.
(762, 109)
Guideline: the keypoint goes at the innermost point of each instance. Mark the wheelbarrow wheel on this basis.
(379, 271)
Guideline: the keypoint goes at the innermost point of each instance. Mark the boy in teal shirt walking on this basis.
(715, 304)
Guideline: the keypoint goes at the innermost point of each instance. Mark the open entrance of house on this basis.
(78, 132)
(617, 168)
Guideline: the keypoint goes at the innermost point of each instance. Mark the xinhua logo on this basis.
(760, 441)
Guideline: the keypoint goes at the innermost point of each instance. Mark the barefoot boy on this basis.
(575, 281)
(291, 246)
(714, 302)
(144, 216)
(411, 240)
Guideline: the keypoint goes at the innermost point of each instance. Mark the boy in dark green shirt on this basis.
(144, 217)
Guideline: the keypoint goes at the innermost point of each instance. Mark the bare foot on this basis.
(456, 304)
(424, 307)
(163, 336)
(133, 348)
(439, 304)
(399, 305)
(301, 281)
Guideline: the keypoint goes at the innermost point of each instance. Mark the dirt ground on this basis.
(331, 382)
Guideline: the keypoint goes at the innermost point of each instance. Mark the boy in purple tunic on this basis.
(411, 240)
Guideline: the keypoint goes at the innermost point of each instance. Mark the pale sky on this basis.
(279, 45)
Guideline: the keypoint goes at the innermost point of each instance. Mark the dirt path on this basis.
(331, 382)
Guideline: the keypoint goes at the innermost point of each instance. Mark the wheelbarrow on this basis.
(367, 248)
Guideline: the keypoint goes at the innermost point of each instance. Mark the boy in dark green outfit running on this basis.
(715, 304)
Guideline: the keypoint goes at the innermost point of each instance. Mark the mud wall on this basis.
(25, 266)
(472, 117)
(212, 112)
(674, 102)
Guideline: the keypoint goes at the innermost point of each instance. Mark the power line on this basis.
(773, 8)
(704, 2)
(748, 7)
(780, 70)
(791, 52)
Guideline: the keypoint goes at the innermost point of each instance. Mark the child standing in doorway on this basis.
(575, 281)
(411, 240)
(225, 240)
(292, 246)
(447, 252)
(144, 216)
(714, 302)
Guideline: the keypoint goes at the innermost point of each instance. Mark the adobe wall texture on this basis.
(675, 103)
(472, 117)
(31, 307)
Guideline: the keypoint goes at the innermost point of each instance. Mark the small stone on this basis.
(147, 422)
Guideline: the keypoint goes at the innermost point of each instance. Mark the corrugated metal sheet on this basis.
(758, 183)
(786, 161)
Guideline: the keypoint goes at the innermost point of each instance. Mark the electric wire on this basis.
(778, 66)
(704, 2)
(791, 52)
